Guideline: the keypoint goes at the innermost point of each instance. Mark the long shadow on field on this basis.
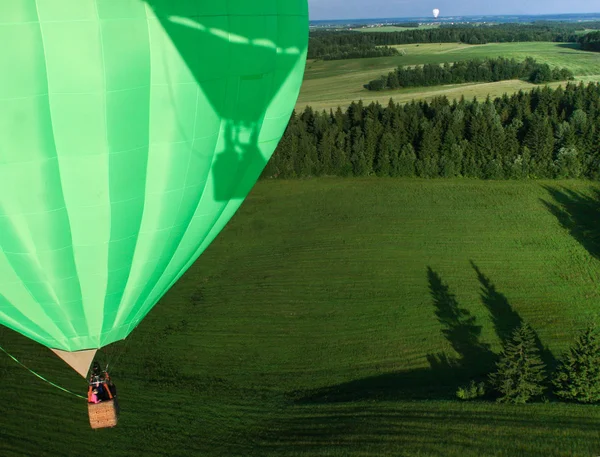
(575, 46)
(460, 327)
(475, 360)
(418, 427)
(580, 214)
(504, 317)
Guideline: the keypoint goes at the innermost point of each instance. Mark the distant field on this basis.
(394, 29)
(339, 95)
(337, 83)
(310, 328)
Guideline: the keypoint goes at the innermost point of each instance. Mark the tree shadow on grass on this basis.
(474, 360)
(460, 328)
(575, 46)
(579, 214)
(445, 373)
(505, 318)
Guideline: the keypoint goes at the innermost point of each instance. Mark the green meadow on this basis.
(333, 317)
(329, 84)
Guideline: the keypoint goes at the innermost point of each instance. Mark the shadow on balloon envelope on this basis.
(244, 63)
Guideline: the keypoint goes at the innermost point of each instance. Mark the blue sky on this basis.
(351, 9)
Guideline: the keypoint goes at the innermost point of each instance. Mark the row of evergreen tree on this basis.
(522, 375)
(360, 51)
(590, 42)
(544, 133)
(322, 43)
(488, 70)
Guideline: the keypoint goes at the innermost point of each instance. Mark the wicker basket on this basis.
(103, 414)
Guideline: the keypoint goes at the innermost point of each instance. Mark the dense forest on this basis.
(543, 133)
(406, 25)
(476, 70)
(590, 42)
(360, 51)
(328, 43)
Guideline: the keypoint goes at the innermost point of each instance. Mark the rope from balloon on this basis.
(114, 354)
(41, 377)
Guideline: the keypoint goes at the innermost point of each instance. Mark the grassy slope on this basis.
(337, 83)
(312, 323)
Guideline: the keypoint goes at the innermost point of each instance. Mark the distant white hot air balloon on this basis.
(436, 13)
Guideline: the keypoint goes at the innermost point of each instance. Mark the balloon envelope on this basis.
(436, 13)
(130, 133)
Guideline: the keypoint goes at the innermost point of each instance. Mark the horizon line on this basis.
(458, 15)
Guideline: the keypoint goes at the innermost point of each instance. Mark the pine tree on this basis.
(520, 371)
(287, 153)
(383, 155)
(470, 168)
(339, 156)
(540, 141)
(493, 169)
(339, 118)
(358, 157)
(308, 157)
(579, 124)
(578, 374)
(452, 161)
(592, 162)
(565, 136)
(428, 152)
(484, 138)
(568, 163)
(406, 162)
(373, 129)
(511, 152)
(325, 150)
(526, 162)
(392, 80)
(308, 117)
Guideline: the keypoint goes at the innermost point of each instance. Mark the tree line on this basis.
(406, 25)
(360, 51)
(543, 133)
(322, 43)
(590, 42)
(522, 375)
(488, 70)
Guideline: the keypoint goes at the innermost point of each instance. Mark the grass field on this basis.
(328, 84)
(314, 323)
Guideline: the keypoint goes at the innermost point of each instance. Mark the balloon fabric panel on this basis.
(130, 133)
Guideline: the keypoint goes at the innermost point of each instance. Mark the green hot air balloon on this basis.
(130, 133)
